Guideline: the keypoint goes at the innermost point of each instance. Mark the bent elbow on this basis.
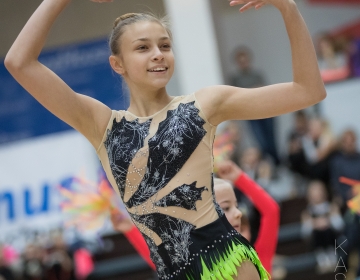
(11, 64)
(15, 65)
(8, 62)
(319, 95)
(321, 92)
(315, 96)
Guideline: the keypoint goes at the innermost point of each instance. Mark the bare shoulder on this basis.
(210, 99)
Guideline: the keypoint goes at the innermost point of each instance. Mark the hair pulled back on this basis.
(125, 20)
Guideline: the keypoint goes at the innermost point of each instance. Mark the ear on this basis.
(116, 64)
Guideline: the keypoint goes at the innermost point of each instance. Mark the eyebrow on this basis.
(225, 201)
(147, 39)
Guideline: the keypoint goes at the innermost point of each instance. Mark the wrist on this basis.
(238, 175)
(129, 230)
(286, 6)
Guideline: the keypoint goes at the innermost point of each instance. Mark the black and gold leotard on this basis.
(161, 166)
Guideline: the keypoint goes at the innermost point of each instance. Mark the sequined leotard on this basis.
(161, 166)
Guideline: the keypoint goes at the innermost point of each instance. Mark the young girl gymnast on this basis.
(267, 238)
(158, 153)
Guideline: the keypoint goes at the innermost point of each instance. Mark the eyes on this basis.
(226, 209)
(146, 47)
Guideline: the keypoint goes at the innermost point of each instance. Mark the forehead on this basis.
(224, 192)
(144, 29)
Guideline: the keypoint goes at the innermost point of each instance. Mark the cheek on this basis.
(135, 64)
(230, 215)
(171, 59)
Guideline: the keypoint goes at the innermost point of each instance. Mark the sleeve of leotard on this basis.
(136, 239)
(266, 241)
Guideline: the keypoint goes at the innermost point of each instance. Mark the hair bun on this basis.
(124, 17)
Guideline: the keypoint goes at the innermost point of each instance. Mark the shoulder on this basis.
(113, 117)
(209, 99)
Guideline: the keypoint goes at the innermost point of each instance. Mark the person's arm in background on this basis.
(266, 242)
(133, 235)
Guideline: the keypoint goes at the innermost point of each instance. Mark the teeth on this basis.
(157, 69)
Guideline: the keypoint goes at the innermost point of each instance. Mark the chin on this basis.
(159, 84)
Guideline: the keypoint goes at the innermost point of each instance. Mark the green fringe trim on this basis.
(225, 266)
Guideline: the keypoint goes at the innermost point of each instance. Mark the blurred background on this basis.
(297, 158)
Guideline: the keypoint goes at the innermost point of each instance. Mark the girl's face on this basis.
(225, 197)
(316, 193)
(146, 59)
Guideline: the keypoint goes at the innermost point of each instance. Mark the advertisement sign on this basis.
(31, 172)
(84, 67)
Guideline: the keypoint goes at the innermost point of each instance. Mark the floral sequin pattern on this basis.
(184, 196)
(183, 127)
(156, 258)
(174, 233)
(122, 143)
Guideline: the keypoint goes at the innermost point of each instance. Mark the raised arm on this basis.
(222, 103)
(83, 113)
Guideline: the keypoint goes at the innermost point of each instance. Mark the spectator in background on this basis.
(346, 162)
(247, 77)
(333, 62)
(33, 267)
(258, 168)
(352, 235)
(59, 265)
(319, 144)
(321, 223)
(296, 156)
(311, 156)
(233, 133)
(5, 271)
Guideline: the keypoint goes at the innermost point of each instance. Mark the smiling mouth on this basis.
(158, 70)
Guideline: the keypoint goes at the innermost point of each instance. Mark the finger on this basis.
(248, 6)
(260, 5)
(236, 2)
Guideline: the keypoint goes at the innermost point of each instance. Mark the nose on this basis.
(238, 213)
(158, 55)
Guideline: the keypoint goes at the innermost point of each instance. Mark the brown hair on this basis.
(131, 18)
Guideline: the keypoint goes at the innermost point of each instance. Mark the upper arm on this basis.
(222, 103)
(83, 113)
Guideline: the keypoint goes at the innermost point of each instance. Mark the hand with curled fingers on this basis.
(257, 4)
(228, 170)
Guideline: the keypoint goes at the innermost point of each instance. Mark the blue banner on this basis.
(84, 67)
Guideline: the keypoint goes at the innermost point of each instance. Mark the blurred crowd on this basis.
(46, 257)
(338, 56)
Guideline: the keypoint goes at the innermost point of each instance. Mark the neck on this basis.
(146, 102)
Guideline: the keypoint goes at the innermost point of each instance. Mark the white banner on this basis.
(30, 172)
